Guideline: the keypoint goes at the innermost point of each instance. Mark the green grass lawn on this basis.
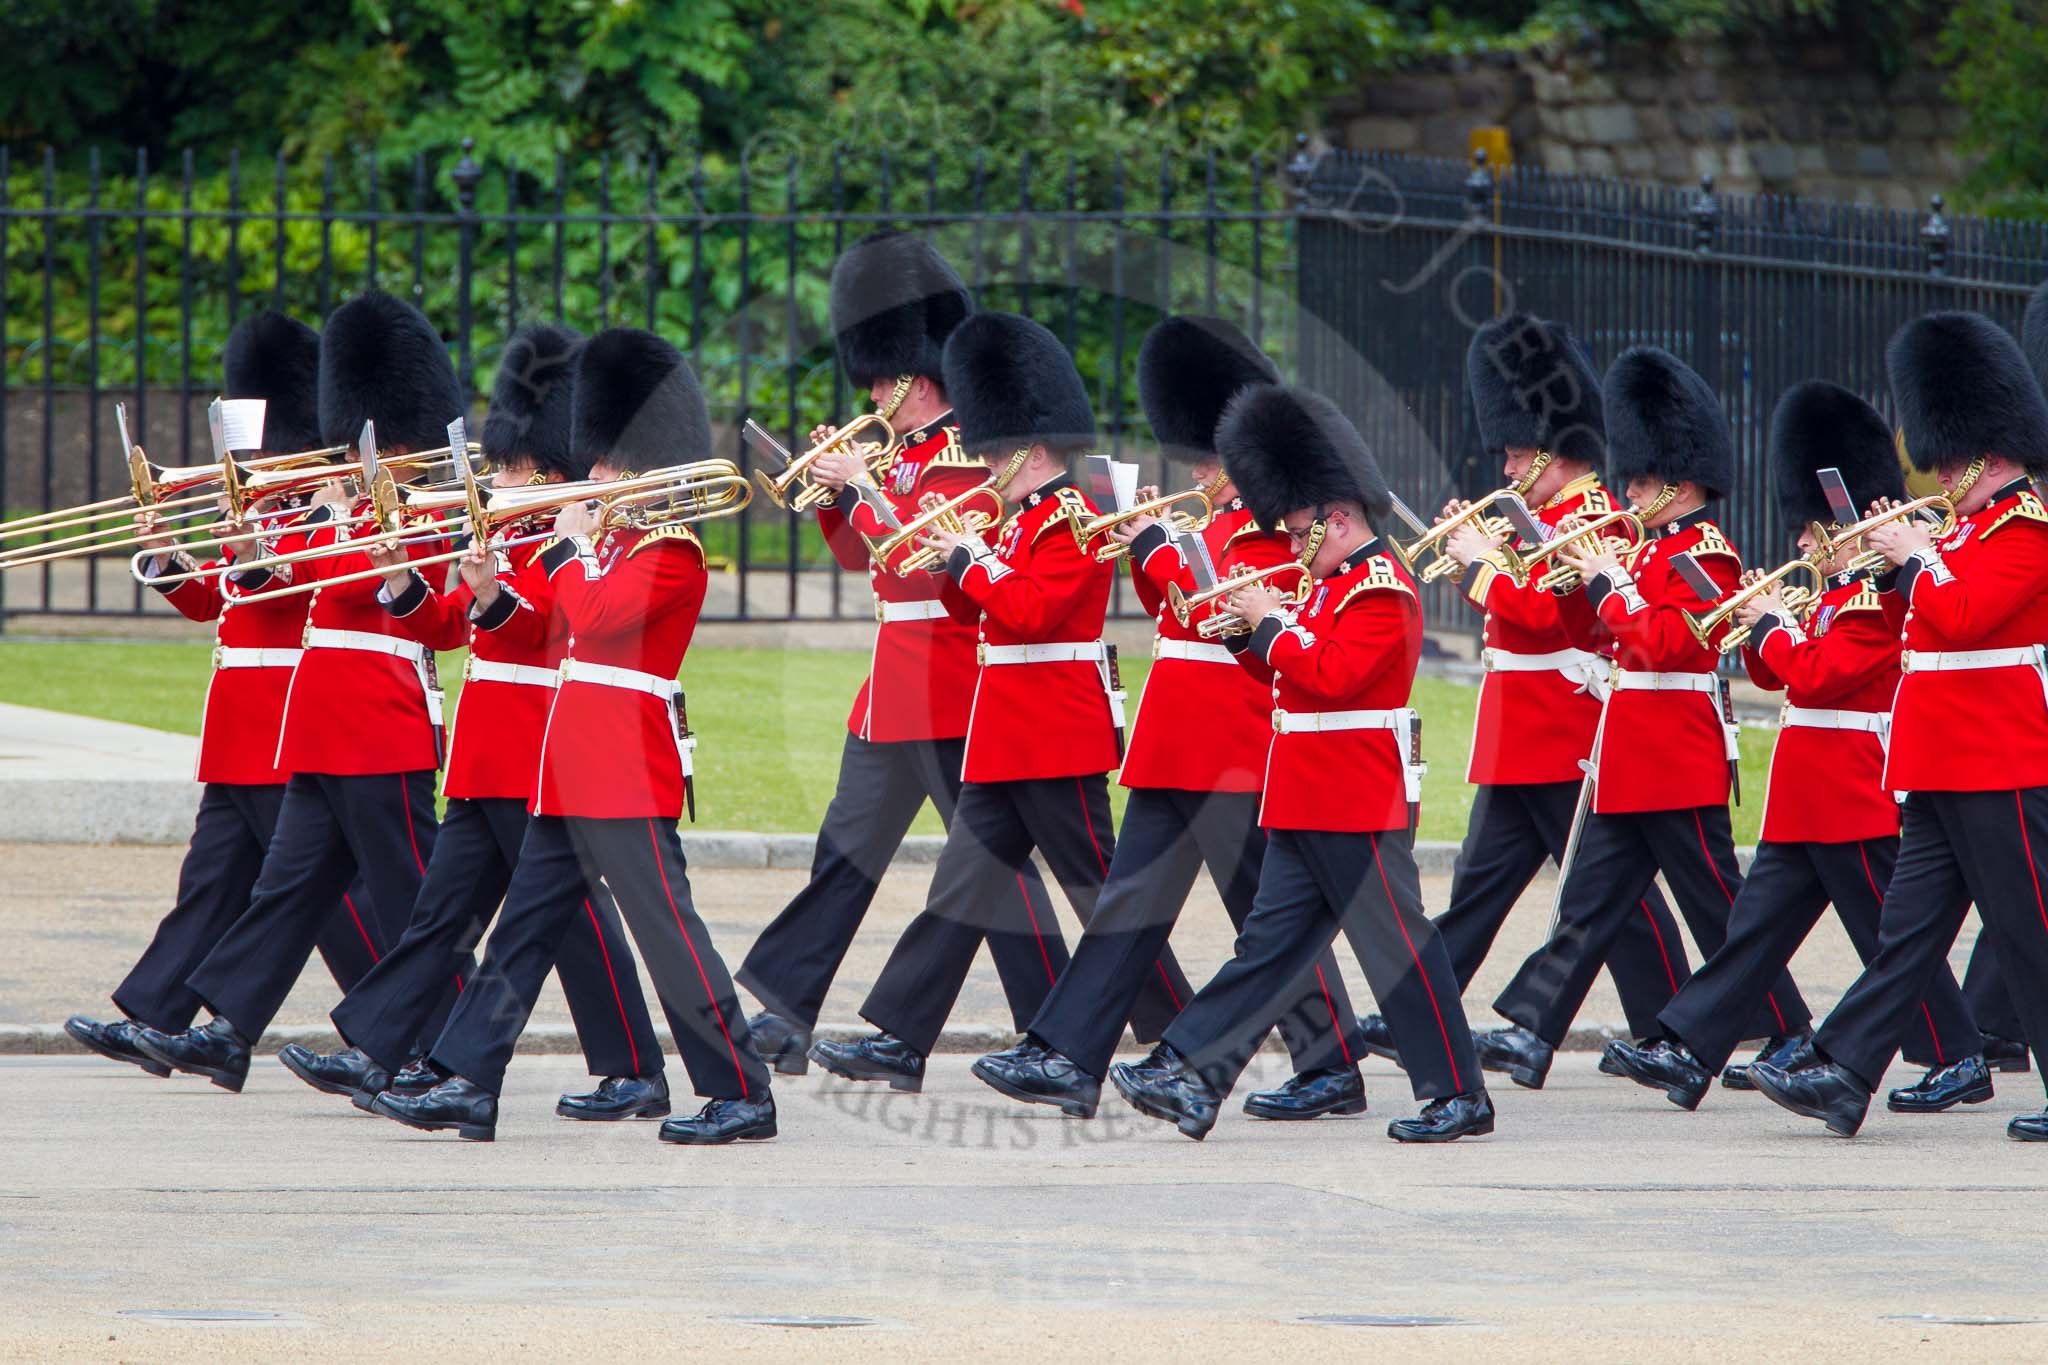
(769, 722)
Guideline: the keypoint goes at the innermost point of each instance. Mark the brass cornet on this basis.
(1870, 560)
(1219, 624)
(1088, 529)
(1562, 577)
(958, 514)
(1798, 600)
(1432, 540)
(792, 488)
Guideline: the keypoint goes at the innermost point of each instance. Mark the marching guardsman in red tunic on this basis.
(894, 302)
(1969, 741)
(1666, 748)
(1537, 399)
(1047, 712)
(612, 775)
(1196, 763)
(501, 609)
(1343, 774)
(1830, 831)
(361, 732)
(277, 359)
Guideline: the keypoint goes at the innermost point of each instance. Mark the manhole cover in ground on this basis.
(1959, 1320)
(1382, 1320)
(799, 1320)
(239, 1317)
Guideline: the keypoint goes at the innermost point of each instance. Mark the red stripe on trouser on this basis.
(2027, 847)
(1343, 1044)
(1715, 868)
(1031, 913)
(405, 801)
(632, 1047)
(1662, 951)
(1864, 853)
(654, 842)
(1088, 821)
(360, 929)
(1394, 908)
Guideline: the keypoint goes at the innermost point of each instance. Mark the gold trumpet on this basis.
(1563, 577)
(1494, 528)
(958, 514)
(1870, 560)
(676, 496)
(793, 487)
(1087, 529)
(1218, 624)
(1798, 600)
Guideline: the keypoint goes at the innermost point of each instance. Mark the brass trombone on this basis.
(1218, 624)
(1870, 560)
(1798, 600)
(1592, 532)
(1494, 528)
(958, 514)
(676, 496)
(1087, 529)
(793, 488)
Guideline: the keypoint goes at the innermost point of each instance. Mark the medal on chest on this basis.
(1013, 535)
(903, 477)
(1822, 619)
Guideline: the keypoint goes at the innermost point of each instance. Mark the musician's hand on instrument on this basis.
(1897, 541)
(1252, 603)
(942, 541)
(1589, 560)
(479, 569)
(1467, 543)
(1757, 607)
(1124, 532)
(1451, 509)
(835, 468)
(153, 536)
(333, 493)
(395, 563)
(577, 519)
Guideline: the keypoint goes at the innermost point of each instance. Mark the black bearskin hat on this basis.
(1663, 422)
(1012, 384)
(1189, 368)
(1962, 389)
(894, 301)
(636, 404)
(1288, 448)
(530, 401)
(1534, 389)
(2034, 334)
(382, 361)
(1818, 425)
(277, 358)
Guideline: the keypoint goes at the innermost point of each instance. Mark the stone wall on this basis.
(1802, 121)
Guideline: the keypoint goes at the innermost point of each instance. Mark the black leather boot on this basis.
(783, 1043)
(469, 1109)
(1521, 1054)
(884, 1057)
(1447, 1119)
(1786, 1051)
(213, 1050)
(1038, 1075)
(1944, 1087)
(1819, 1090)
(1662, 1065)
(348, 1073)
(1167, 1087)
(1310, 1094)
(619, 1097)
(115, 1041)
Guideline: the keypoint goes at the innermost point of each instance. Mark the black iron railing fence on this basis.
(124, 288)
(1363, 275)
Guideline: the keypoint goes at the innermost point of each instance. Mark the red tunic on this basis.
(632, 602)
(920, 682)
(1352, 646)
(1980, 589)
(1204, 724)
(494, 750)
(351, 712)
(244, 705)
(1532, 726)
(1661, 750)
(1827, 785)
(1035, 586)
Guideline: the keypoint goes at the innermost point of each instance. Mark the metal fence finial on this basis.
(1934, 238)
(1479, 186)
(1300, 169)
(1706, 216)
(467, 176)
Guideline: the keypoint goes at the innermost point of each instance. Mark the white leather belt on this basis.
(1626, 680)
(1060, 653)
(889, 613)
(1200, 650)
(1557, 660)
(368, 642)
(1958, 661)
(231, 656)
(1310, 722)
(1817, 718)
(1402, 723)
(633, 680)
(526, 675)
